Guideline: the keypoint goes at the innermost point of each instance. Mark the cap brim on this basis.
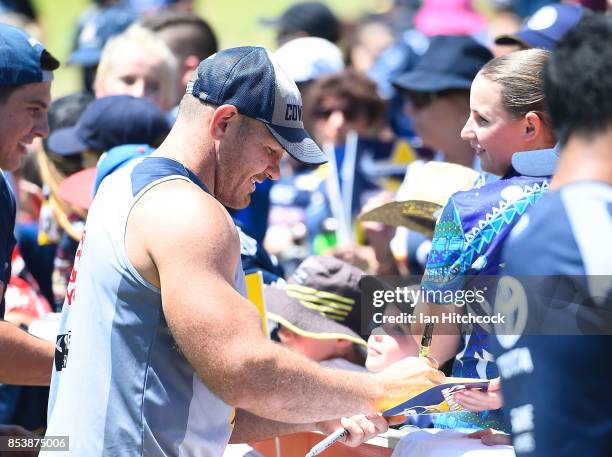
(298, 144)
(65, 142)
(510, 39)
(412, 214)
(542, 162)
(529, 39)
(85, 57)
(288, 311)
(422, 81)
(77, 189)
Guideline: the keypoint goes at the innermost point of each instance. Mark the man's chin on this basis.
(12, 163)
(235, 203)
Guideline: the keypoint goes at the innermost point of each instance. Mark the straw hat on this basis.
(428, 193)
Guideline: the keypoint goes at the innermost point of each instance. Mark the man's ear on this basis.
(189, 65)
(221, 118)
(533, 126)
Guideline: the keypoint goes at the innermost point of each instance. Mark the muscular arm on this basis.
(249, 427)
(25, 360)
(195, 250)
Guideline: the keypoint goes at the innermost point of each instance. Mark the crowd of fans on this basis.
(442, 125)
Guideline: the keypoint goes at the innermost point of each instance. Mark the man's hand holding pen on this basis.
(401, 380)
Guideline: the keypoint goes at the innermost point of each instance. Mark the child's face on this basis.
(389, 343)
(314, 349)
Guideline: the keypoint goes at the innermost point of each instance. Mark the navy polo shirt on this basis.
(556, 385)
(7, 236)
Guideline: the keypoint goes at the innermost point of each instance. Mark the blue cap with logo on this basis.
(251, 79)
(111, 121)
(23, 60)
(546, 28)
(95, 31)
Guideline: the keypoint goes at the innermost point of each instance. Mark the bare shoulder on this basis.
(177, 225)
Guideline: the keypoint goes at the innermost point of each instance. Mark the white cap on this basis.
(308, 58)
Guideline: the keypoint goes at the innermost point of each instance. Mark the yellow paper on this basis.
(254, 286)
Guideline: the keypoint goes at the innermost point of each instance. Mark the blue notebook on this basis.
(437, 399)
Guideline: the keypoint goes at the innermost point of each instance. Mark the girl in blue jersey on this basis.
(507, 115)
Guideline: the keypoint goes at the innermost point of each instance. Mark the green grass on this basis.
(58, 21)
(236, 23)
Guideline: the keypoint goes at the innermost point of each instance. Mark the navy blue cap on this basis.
(450, 62)
(95, 31)
(111, 121)
(546, 28)
(541, 162)
(23, 60)
(251, 79)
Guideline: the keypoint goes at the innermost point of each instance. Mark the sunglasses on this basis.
(420, 100)
(349, 113)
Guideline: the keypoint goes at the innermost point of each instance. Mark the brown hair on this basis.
(185, 33)
(356, 89)
(521, 77)
(6, 92)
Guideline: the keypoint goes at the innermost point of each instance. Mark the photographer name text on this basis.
(443, 318)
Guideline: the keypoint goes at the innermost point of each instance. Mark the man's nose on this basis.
(377, 335)
(41, 127)
(273, 170)
(337, 118)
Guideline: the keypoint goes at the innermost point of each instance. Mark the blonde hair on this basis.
(521, 77)
(145, 43)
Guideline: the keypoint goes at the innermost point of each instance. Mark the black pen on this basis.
(426, 340)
